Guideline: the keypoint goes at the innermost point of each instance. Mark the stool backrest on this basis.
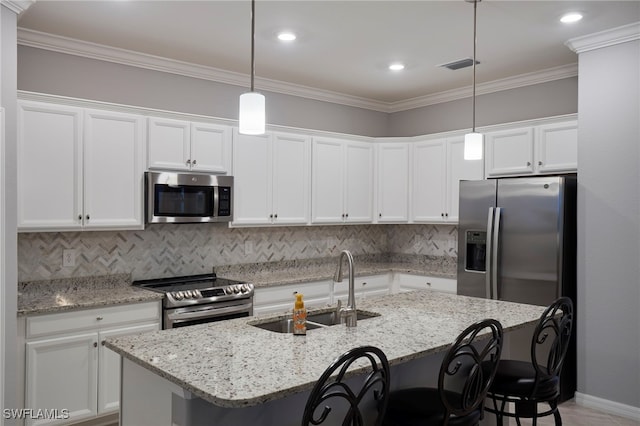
(551, 337)
(342, 392)
(469, 367)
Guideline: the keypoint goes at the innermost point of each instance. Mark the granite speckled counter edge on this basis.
(68, 294)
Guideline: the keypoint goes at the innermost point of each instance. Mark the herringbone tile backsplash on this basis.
(166, 250)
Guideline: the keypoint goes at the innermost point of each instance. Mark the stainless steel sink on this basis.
(282, 325)
(331, 318)
(314, 321)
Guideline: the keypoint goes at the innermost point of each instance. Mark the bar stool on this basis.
(343, 398)
(465, 375)
(528, 383)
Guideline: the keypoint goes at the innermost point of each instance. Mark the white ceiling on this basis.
(343, 47)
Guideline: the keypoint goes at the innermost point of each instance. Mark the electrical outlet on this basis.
(248, 247)
(68, 258)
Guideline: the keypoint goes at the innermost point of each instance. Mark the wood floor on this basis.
(575, 415)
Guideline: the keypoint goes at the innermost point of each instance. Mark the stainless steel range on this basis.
(198, 299)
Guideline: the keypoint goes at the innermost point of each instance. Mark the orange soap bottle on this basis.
(299, 317)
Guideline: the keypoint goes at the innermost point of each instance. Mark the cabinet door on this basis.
(252, 179)
(113, 170)
(280, 299)
(509, 152)
(557, 147)
(210, 148)
(168, 144)
(62, 372)
(291, 179)
(49, 166)
(393, 182)
(358, 173)
(429, 181)
(109, 367)
(458, 169)
(327, 188)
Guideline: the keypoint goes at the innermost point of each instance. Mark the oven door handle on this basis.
(209, 312)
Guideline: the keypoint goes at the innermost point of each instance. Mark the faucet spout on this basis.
(349, 312)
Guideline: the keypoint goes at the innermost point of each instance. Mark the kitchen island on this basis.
(232, 372)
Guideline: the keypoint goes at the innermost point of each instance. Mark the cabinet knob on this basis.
(364, 283)
(446, 215)
(275, 215)
(188, 161)
(193, 162)
(442, 214)
(343, 215)
(99, 318)
(528, 163)
(346, 215)
(79, 217)
(88, 217)
(379, 214)
(428, 284)
(271, 216)
(539, 163)
(95, 344)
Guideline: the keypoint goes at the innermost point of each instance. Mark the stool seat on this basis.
(518, 379)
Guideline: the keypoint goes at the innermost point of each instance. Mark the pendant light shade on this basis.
(252, 116)
(473, 142)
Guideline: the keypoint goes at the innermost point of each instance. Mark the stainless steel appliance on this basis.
(198, 299)
(517, 242)
(188, 197)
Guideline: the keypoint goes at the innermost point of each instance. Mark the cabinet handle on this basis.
(295, 292)
(188, 161)
(95, 344)
(428, 284)
(528, 163)
(364, 283)
(194, 162)
(539, 163)
(99, 318)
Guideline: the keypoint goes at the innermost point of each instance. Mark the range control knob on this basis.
(177, 295)
(228, 290)
(197, 294)
(236, 290)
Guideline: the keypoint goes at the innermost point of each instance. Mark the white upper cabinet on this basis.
(92, 164)
(342, 181)
(538, 149)
(438, 168)
(557, 147)
(113, 170)
(393, 182)
(49, 166)
(184, 145)
(509, 152)
(272, 179)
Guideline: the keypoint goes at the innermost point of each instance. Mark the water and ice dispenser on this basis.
(476, 251)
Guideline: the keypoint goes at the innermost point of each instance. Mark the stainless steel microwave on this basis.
(188, 197)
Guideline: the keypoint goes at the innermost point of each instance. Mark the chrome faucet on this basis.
(349, 313)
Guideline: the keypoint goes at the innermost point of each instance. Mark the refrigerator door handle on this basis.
(496, 242)
(489, 253)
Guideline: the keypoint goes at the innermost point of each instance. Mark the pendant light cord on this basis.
(253, 37)
(475, 42)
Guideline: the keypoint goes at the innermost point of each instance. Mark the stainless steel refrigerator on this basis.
(517, 242)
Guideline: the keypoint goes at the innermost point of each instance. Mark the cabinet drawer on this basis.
(43, 325)
(410, 282)
(286, 293)
(377, 283)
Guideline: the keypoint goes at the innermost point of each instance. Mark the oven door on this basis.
(200, 314)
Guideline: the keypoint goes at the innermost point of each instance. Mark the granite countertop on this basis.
(60, 295)
(234, 364)
(40, 297)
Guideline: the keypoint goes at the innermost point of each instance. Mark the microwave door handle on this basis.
(496, 250)
(488, 254)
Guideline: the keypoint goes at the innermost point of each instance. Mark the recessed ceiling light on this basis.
(571, 17)
(396, 66)
(286, 36)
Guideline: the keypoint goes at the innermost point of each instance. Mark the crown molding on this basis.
(18, 6)
(100, 52)
(605, 38)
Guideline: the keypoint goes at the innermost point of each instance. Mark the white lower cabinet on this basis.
(374, 285)
(67, 366)
(280, 299)
(409, 282)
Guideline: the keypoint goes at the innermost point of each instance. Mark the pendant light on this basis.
(473, 142)
(251, 117)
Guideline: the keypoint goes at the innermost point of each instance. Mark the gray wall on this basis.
(8, 194)
(557, 97)
(68, 75)
(609, 223)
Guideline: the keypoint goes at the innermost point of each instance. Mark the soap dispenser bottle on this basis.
(299, 317)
